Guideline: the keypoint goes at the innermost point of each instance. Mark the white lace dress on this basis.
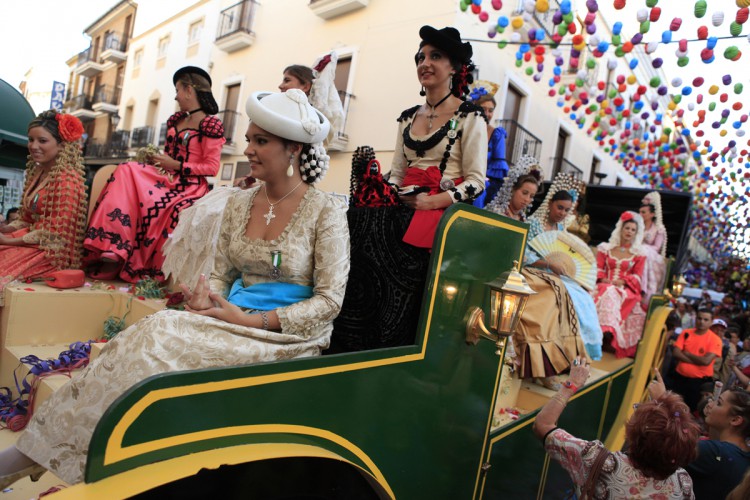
(315, 249)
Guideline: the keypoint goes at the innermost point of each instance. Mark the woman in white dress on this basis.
(279, 277)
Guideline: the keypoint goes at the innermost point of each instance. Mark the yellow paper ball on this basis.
(671, 105)
(713, 89)
(743, 3)
(723, 133)
(542, 5)
(631, 79)
(517, 23)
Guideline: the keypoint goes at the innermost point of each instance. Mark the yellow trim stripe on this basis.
(140, 479)
(543, 482)
(115, 452)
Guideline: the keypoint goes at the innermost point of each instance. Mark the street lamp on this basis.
(115, 119)
(508, 296)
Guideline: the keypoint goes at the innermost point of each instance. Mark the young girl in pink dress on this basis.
(141, 204)
(48, 234)
(620, 266)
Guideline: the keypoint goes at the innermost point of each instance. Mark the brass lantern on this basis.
(678, 286)
(509, 294)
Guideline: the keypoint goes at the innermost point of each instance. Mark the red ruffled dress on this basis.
(140, 207)
(616, 305)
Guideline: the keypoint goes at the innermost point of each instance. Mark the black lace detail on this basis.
(212, 127)
(99, 233)
(408, 113)
(386, 282)
(421, 147)
(119, 215)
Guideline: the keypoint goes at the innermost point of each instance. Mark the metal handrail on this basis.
(520, 142)
(106, 94)
(115, 41)
(563, 165)
(237, 18)
(81, 101)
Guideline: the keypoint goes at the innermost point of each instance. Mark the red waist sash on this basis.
(421, 230)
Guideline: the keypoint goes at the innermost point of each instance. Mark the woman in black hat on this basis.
(140, 205)
(441, 148)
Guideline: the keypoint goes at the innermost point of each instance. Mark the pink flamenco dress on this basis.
(51, 211)
(618, 307)
(140, 205)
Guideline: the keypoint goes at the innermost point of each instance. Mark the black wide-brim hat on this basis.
(192, 70)
(448, 40)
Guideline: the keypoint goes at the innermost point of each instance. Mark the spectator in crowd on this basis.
(695, 350)
(723, 460)
(662, 437)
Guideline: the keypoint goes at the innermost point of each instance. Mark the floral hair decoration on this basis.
(627, 216)
(70, 127)
(477, 92)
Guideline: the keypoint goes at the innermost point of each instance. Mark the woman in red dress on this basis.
(48, 235)
(620, 264)
(140, 206)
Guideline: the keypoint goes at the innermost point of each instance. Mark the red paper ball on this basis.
(702, 33)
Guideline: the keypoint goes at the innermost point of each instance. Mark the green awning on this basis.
(15, 118)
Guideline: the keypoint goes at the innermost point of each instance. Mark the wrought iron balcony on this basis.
(114, 47)
(80, 107)
(116, 147)
(520, 142)
(328, 9)
(563, 165)
(230, 119)
(163, 134)
(236, 26)
(142, 137)
(106, 99)
(87, 63)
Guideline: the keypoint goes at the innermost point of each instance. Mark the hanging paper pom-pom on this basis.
(702, 33)
(735, 28)
(666, 36)
(738, 88)
(617, 28)
(651, 3)
(742, 15)
(711, 42)
(484, 16)
(611, 64)
(651, 47)
(700, 8)
(676, 81)
(726, 79)
(732, 53)
(619, 4)
(497, 4)
(683, 61)
(675, 24)
(517, 23)
(698, 81)
(717, 18)
(683, 45)
(645, 26)
(642, 15)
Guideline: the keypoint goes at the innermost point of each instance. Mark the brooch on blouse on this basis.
(453, 125)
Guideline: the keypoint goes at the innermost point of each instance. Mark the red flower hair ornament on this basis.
(70, 127)
(627, 216)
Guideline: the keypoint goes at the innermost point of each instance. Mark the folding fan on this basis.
(571, 253)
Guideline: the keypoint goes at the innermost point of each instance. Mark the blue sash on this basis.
(267, 296)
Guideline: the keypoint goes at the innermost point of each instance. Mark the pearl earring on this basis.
(290, 170)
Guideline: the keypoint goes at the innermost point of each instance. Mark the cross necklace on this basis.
(270, 215)
(433, 108)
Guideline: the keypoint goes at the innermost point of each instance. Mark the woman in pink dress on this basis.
(140, 206)
(620, 266)
(48, 235)
(654, 245)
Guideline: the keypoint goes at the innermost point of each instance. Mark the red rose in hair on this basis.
(627, 216)
(71, 128)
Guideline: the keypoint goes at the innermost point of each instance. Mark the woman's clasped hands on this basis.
(201, 300)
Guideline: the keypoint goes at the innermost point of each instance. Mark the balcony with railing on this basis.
(88, 64)
(80, 107)
(115, 47)
(328, 9)
(236, 26)
(116, 147)
(563, 165)
(142, 137)
(106, 99)
(229, 119)
(162, 134)
(340, 139)
(520, 142)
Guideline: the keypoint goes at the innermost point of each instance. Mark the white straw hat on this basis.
(288, 115)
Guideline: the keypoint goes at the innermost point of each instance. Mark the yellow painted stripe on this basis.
(138, 480)
(112, 456)
(543, 481)
(604, 410)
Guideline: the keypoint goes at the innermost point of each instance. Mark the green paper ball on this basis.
(711, 106)
(519, 62)
(619, 52)
(529, 71)
(590, 63)
(645, 26)
(651, 3)
(683, 61)
(700, 8)
(735, 28)
(502, 44)
(654, 82)
(738, 88)
(616, 40)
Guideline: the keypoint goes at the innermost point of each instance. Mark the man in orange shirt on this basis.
(696, 349)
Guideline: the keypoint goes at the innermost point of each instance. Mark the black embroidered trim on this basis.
(408, 113)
